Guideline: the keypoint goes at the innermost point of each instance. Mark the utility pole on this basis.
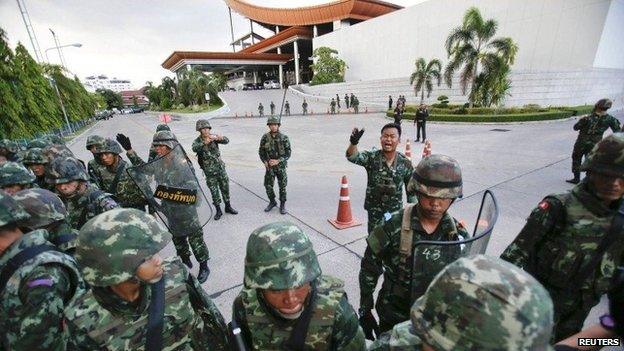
(232, 30)
(58, 93)
(30, 30)
(60, 53)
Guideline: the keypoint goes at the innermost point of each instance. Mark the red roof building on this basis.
(132, 97)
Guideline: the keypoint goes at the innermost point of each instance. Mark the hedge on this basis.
(520, 117)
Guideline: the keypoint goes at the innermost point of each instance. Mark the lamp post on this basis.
(76, 45)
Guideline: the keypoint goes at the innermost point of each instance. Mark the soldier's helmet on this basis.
(166, 138)
(44, 207)
(437, 176)
(55, 139)
(484, 303)
(11, 212)
(15, 173)
(273, 120)
(9, 146)
(201, 124)
(65, 170)
(603, 105)
(52, 152)
(94, 140)
(37, 143)
(34, 156)
(162, 127)
(607, 157)
(279, 256)
(112, 245)
(108, 146)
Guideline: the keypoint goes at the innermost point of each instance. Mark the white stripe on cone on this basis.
(344, 198)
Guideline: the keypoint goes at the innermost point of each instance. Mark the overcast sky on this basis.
(131, 39)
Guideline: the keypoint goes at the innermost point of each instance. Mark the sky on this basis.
(131, 39)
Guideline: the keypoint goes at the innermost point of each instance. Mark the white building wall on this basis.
(610, 49)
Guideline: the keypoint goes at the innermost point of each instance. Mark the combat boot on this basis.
(229, 209)
(272, 204)
(219, 213)
(204, 272)
(187, 261)
(283, 207)
(576, 179)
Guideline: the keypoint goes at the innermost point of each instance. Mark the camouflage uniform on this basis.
(32, 301)
(561, 235)
(94, 166)
(304, 106)
(287, 109)
(34, 156)
(276, 147)
(281, 257)
(9, 149)
(13, 173)
(355, 103)
(261, 110)
(272, 106)
(83, 205)
(39, 143)
(54, 151)
(111, 248)
(152, 153)
(476, 303)
(332, 106)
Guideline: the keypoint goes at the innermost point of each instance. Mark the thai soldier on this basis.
(421, 122)
(94, 166)
(272, 106)
(355, 103)
(36, 282)
(287, 108)
(37, 143)
(138, 300)
(304, 106)
(15, 177)
(437, 181)
(389, 102)
(274, 152)
(152, 153)
(8, 151)
(591, 128)
(347, 100)
(36, 162)
(332, 106)
(286, 303)
(338, 101)
(572, 242)
(206, 146)
(261, 110)
(514, 311)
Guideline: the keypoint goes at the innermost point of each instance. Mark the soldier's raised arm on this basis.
(352, 150)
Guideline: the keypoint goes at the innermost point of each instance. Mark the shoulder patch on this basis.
(387, 216)
(40, 282)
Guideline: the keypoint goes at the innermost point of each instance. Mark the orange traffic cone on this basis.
(408, 150)
(427, 149)
(344, 219)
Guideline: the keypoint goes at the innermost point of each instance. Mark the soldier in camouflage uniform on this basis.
(114, 179)
(152, 152)
(15, 177)
(206, 146)
(563, 233)
(437, 181)
(8, 151)
(476, 303)
(118, 255)
(82, 199)
(36, 282)
(285, 292)
(38, 143)
(54, 151)
(355, 103)
(287, 108)
(332, 106)
(304, 106)
(591, 128)
(36, 162)
(272, 106)
(94, 166)
(388, 171)
(183, 220)
(261, 110)
(274, 152)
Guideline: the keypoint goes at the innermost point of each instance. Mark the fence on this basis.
(63, 131)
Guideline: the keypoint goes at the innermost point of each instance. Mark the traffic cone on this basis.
(408, 150)
(344, 219)
(427, 149)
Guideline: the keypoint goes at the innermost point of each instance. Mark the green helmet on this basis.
(64, 170)
(108, 145)
(166, 138)
(273, 120)
(279, 256)
(437, 176)
(37, 143)
(15, 173)
(11, 212)
(162, 127)
(201, 124)
(607, 157)
(43, 206)
(112, 245)
(34, 156)
(603, 105)
(94, 140)
(55, 139)
(484, 303)
(9, 146)
(52, 152)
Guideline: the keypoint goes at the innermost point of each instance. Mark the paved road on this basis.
(521, 163)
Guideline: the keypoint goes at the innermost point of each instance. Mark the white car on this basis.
(271, 84)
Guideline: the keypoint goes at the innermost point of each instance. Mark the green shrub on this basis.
(518, 117)
(444, 101)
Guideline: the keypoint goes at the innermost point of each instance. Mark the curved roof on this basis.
(305, 16)
(178, 57)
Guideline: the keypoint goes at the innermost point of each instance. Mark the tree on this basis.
(11, 122)
(113, 99)
(471, 46)
(134, 101)
(493, 88)
(327, 67)
(423, 76)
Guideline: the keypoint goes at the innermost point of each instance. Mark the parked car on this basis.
(126, 111)
(249, 86)
(259, 86)
(137, 109)
(271, 84)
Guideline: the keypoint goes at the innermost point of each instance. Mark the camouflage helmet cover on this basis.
(166, 138)
(112, 245)
(603, 104)
(607, 157)
(484, 303)
(64, 170)
(162, 127)
(273, 120)
(9, 145)
(15, 173)
(279, 256)
(34, 156)
(94, 140)
(437, 176)
(108, 146)
(37, 143)
(201, 124)
(52, 152)
(43, 206)
(55, 139)
(11, 212)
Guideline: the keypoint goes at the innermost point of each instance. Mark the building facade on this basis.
(92, 83)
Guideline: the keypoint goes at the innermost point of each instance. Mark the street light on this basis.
(76, 45)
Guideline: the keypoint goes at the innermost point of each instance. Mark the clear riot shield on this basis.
(170, 186)
(430, 257)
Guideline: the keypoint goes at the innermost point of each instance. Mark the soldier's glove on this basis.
(124, 141)
(356, 135)
(369, 324)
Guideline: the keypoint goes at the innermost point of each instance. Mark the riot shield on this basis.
(171, 188)
(430, 257)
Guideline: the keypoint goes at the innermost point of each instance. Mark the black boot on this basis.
(204, 272)
(219, 213)
(229, 209)
(187, 262)
(283, 207)
(576, 179)
(272, 204)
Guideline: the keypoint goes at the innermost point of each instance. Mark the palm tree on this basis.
(471, 45)
(423, 76)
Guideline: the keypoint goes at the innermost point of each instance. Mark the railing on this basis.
(63, 131)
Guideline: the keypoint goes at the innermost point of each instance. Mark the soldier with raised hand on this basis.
(94, 165)
(476, 303)
(36, 283)
(82, 199)
(591, 128)
(572, 242)
(274, 152)
(37, 162)
(138, 300)
(15, 177)
(286, 304)
(437, 182)
(206, 146)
